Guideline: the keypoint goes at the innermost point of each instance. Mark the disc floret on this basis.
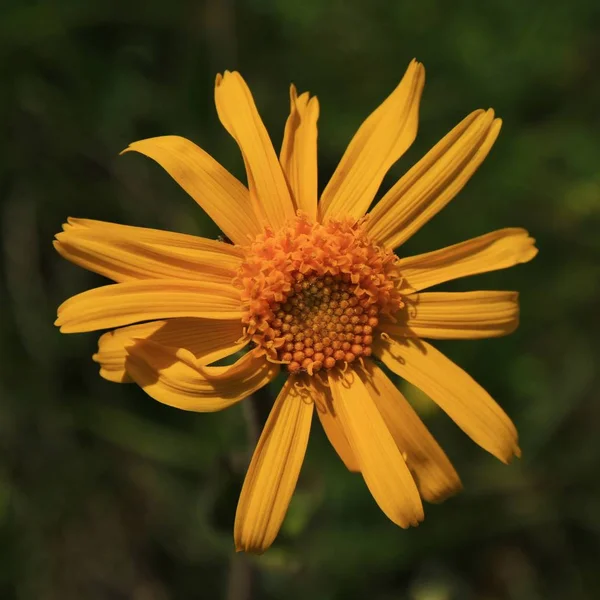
(314, 293)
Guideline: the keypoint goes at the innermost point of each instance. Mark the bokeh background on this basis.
(104, 493)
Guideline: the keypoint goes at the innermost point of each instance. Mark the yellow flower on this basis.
(311, 287)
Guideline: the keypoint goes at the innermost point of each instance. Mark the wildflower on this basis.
(312, 288)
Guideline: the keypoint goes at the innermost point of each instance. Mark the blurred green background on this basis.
(104, 493)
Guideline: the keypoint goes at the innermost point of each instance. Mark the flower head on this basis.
(312, 287)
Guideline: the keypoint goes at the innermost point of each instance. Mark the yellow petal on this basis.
(433, 472)
(207, 339)
(273, 471)
(297, 107)
(434, 180)
(298, 155)
(120, 304)
(121, 255)
(496, 250)
(172, 376)
(238, 114)
(456, 315)
(381, 463)
(195, 247)
(224, 199)
(332, 426)
(464, 400)
(380, 141)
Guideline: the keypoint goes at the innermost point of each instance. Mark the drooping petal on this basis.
(334, 430)
(238, 114)
(207, 339)
(456, 392)
(172, 376)
(273, 471)
(120, 304)
(298, 155)
(122, 255)
(496, 250)
(433, 472)
(224, 199)
(381, 463)
(434, 180)
(456, 315)
(380, 141)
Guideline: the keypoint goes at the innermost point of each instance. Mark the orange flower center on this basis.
(322, 323)
(314, 293)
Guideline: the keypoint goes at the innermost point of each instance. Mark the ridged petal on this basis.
(121, 254)
(207, 339)
(456, 315)
(224, 199)
(197, 247)
(238, 114)
(456, 392)
(433, 472)
(120, 304)
(298, 155)
(273, 471)
(380, 141)
(381, 463)
(172, 376)
(434, 180)
(496, 250)
(334, 430)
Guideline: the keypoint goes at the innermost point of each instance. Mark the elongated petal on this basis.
(381, 463)
(207, 339)
(266, 181)
(434, 180)
(298, 155)
(433, 472)
(120, 304)
(496, 250)
(195, 246)
(298, 106)
(380, 141)
(456, 392)
(456, 315)
(125, 257)
(172, 376)
(273, 471)
(334, 430)
(224, 199)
